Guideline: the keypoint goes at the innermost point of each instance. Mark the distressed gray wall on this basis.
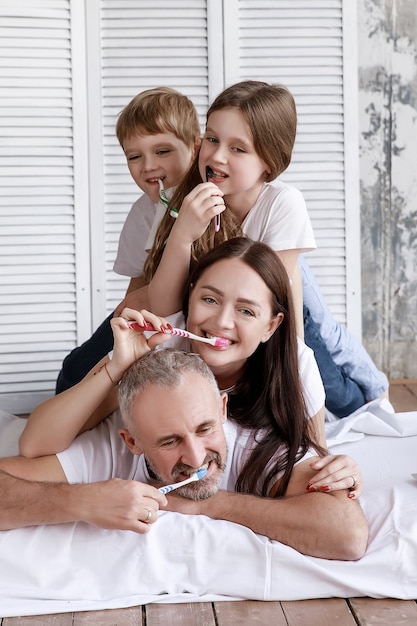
(388, 172)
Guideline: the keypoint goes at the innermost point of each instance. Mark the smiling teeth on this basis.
(229, 341)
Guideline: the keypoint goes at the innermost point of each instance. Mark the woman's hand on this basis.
(197, 210)
(336, 472)
(130, 343)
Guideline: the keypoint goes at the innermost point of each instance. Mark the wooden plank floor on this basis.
(326, 612)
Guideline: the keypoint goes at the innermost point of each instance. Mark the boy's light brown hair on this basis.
(159, 110)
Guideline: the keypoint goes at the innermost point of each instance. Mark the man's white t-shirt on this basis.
(100, 454)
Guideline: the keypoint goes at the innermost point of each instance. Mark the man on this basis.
(174, 422)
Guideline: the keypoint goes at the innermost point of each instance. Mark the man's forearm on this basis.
(328, 526)
(27, 503)
(112, 504)
(317, 524)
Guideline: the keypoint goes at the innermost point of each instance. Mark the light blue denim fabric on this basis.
(345, 348)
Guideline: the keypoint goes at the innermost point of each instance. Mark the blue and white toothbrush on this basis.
(198, 475)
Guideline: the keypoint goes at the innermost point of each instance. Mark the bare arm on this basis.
(316, 428)
(136, 296)
(135, 283)
(332, 472)
(289, 259)
(26, 501)
(55, 423)
(324, 525)
(167, 286)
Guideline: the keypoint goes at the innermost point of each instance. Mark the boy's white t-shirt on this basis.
(133, 249)
(279, 218)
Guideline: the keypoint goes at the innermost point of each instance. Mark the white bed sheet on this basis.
(74, 567)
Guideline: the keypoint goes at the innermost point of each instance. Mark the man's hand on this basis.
(35, 491)
(117, 504)
(179, 504)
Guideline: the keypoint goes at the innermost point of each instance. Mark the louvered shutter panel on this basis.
(300, 44)
(65, 188)
(37, 195)
(143, 45)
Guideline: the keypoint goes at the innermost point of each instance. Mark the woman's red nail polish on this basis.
(311, 488)
(324, 488)
(169, 326)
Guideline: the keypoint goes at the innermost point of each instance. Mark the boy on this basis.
(159, 132)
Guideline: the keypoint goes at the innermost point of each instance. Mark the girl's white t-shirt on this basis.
(279, 218)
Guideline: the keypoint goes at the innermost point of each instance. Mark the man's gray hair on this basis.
(163, 368)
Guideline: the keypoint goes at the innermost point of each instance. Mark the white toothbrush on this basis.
(164, 199)
(198, 475)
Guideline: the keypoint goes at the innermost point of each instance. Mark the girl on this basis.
(250, 134)
(248, 142)
(239, 291)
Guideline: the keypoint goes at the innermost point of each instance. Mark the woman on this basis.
(238, 291)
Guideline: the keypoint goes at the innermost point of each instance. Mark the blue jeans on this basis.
(343, 395)
(345, 350)
(82, 359)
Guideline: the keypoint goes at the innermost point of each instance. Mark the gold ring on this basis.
(149, 516)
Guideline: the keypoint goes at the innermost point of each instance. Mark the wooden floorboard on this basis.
(325, 612)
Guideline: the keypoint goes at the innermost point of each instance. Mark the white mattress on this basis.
(73, 567)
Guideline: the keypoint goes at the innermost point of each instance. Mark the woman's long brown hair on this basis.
(269, 395)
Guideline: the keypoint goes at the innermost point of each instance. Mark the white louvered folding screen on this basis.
(67, 68)
(300, 43)
(143, 45)
(38, 240)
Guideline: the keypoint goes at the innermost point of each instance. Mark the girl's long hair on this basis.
(271, 116)
(269, 395)
(228, 226)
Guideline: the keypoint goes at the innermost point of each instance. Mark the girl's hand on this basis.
(197, 210)
(336, 472)
(130, 344)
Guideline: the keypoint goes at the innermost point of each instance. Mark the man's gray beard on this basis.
(200, 490)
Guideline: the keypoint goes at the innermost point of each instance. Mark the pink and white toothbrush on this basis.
(219, 342)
